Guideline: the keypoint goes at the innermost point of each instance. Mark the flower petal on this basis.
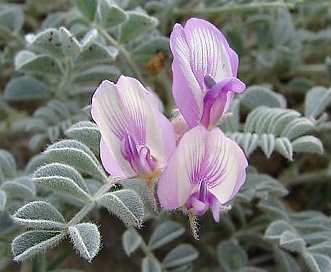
(224, 165)
(177, 180)
(210, 52)
(185, 88)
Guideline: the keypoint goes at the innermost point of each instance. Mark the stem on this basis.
(242, 7)
(125, 54)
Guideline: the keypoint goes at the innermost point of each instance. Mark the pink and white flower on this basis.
(205, 171)
(204, 72)
(136, 138)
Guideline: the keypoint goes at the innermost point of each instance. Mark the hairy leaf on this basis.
(182, 254)
(3, 200)
(30, 243)
(149, 264)
(108, 14)
(131, 241)
(231, 256)
(125, 204)
(165, 233)
(86, 239)
(39, 215)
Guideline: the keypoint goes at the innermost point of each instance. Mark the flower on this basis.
(204, 72)
(205, 171)
(136, 138)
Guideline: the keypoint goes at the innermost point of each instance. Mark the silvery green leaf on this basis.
(276, 229)
(30, 243)
(62, 179)
(231, 122)
(25, 88)
(53, 133)
(7, 165)
(317, 99)
(231, 256)
(125, 204)
(70, 45)
(97, 53)
(37, 141)
(93, 185)
(108, 14)
(6, 224)
(308, 144)
(149, 48)
(301, 84)
(85, 132)
(254, 117)
(28, 61)
(273, 208)
(291, 241)
(3, 200)
(22, 188)
(88, 39)
(137, 24)
(76, 155)
(284, 147)
(55, 19)
(297, 127)
(36, 125)
(249, 142)
(95, 75)
(253, 269)
(11, 19)
(131, 241)
(86, 239)
(280, 120)
(267, 144)
(255, 96)
(39, 215)
(149, 264)
(285, 261)
(323, 248)
(317, 262)
(87, 8)
(165, 233)
(180, 255)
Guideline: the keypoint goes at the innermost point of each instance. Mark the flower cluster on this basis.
(196, 166)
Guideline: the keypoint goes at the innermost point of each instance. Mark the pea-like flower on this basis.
(204, 73)
(205, 171)
(136, 138)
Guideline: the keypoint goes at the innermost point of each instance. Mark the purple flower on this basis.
(136, 139)
(204, 72)
(205, 171)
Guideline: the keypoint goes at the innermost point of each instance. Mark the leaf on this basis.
(150, 48)
(11, 19)
(273, 208)
(276, 229)
(180, 255)
(267, 144)
(7, 165)
(39, 215)
(308, 144)
(70, 45)
(297, 127)
(137, 24)
(87, 8)
(231, 256)
(85, 132)
(97, 53)
(317, 99)
(62, 179)
(165, 233)
(150, 265)
(25, 88)
(285, 261)
(317, 262)
(323, 248)
(3, 200)
(255, 96)
(27, 61)
(31, 243)
(86, 239)
(131, 241)
(284, 147)
(77, 155)
(109, 14)
(125, 204)
(292, 242)
(22, 188)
